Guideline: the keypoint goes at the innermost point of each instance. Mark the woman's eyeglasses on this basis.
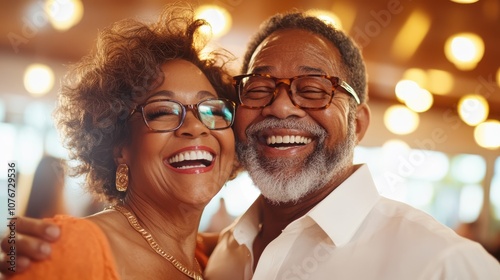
(165, 115)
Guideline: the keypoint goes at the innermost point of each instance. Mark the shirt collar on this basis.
(341, 213)
(247, 226)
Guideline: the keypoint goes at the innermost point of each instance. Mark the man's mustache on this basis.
(289, 123)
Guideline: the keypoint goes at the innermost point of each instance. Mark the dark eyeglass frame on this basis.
(336, 83)
(193, 107)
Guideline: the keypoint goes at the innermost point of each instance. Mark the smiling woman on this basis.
(150, 125)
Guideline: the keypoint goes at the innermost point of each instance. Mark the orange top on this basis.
(201, 253)
(82, 252)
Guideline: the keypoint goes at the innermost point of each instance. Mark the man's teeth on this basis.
(191, 155)
(288, 139)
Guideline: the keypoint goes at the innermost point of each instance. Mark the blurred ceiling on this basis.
(374, 24)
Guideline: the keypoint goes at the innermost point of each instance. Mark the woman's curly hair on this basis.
(100, 91)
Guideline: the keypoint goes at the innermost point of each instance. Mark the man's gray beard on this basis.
(277, 178)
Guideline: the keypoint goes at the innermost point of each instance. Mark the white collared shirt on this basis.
(354, 233)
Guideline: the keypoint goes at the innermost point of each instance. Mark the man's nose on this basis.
(282, 107)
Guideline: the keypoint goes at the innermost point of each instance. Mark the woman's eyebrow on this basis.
(171, 95)
(204, 93)
(163, 93)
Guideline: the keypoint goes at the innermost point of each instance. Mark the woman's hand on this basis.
(26, 240)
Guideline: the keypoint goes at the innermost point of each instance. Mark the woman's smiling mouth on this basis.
(191, 159)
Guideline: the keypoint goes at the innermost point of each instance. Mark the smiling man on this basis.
(302, 111)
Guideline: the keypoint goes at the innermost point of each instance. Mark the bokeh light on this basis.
(464, 50)
(38, 79)
(219, 19)
(473, 109)
(64, 14)
(400, 120)
(468, 169)
(487, 134)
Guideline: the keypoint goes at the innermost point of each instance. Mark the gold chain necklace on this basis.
(155, 246)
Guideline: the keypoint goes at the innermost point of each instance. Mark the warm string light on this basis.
(415, 90)
(464, 50)
(473, 109)
(38, 79)
(487, 134)
(64, 14)
(400, 120)
(464, 1)
(413, 96)
(219, 19)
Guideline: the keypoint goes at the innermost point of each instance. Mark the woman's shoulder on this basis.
(79, 233)
(71, 223)
(81, 250)
(75, 228)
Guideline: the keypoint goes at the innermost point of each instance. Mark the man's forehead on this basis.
(294, 49)
(295, 36)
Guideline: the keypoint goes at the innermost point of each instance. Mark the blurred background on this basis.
(434, 87)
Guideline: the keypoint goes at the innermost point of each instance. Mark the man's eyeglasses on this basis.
(313, 92)
(164, 115)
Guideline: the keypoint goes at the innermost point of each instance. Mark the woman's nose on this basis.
(192, 126)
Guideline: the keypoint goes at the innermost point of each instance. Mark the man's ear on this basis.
(362, 120)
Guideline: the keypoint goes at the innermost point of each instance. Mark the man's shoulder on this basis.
(406, 223)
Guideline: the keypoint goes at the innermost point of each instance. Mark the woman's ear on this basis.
(120, 154)
(362, 120)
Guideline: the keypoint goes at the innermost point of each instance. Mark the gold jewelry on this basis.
(155, 246)
(122, 177)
